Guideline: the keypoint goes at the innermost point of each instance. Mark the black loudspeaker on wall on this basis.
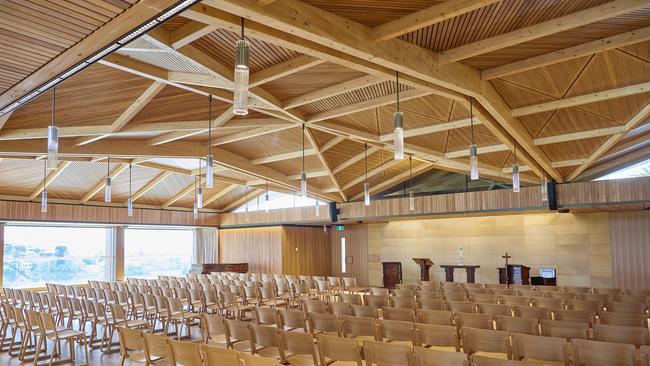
(552, 197)
(334, 212)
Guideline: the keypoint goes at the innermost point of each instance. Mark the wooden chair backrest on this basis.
(339, 308)
(237, 330)
(351, 299)
(375, 300)
(296, 343)
(532, 311)
(539, 347)
(184, 353)
(518, 324)
(213, 356)
(431, 304)
(429, 357)
(484, 298)
(386, 354)
(396, 330)
(637, 336)
(494, 309)
(596, 353)
(246, 359)
(155, 346)
(582, 316)
(436, 317)
(263, 335)
(402, 302)
(481, 321)
(331, 348)
(629, 319)
(478, 360)
(292, 319)
(130, 339)
(398, 314)
(436, 335)
(564, 329)
(513, 300)
(461, 306)
(322, 322)
(368, 311)
(265, 315)
(475, 340)
(355, 326)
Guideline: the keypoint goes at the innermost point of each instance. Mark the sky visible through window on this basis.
(641, 169)
(149, 253)
(277, 200)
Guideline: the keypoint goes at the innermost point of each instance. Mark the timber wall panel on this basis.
(305, 251)
(604, 192)
(577, 245)
(630, 232)
(356, 243)
(304, 215)
(260, 247)
(31, 211)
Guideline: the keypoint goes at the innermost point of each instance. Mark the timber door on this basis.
(392, 274)
(349, 253)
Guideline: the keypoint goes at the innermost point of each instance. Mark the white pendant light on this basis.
(317, 207)
(129, 203)
(209, 178)
(240, 102)
(199, 191)
(108, 181)
(544, 189)
(411, 194)
(267, 201)
(366, 186)
(473, 150)
(53, 138)
(303, 175)
(195, 209)
(398, 122)
(44, 193)
(515, 174)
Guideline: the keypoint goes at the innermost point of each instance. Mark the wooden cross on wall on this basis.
(507, 276)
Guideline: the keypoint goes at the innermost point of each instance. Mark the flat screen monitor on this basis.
(547, 272)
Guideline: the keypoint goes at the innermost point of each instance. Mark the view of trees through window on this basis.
(149, 253)
(35, 255)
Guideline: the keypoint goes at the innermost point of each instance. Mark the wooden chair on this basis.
(480, 321)
(461, 306)
(429, 357)
(547, 302)
(564, 329)
(354, 299)
(455, 296)
(361, 328)
(582, 316)
(637, 336)
(396, 331)
(595, 353)
(264, 341)
(435, 317)
(629, 319)
(213, 330)
(386, 354)
(265, 315)
(213, 356)
(368, 311)
(131, 341)
(518, 324)
(155, 347)
(482, 340)
(402, 302)
(232, 306)
(484, 298)
(179, 317)
(379, 291)
(50, 331)
(339, 308)
(251, 360)
(407, 315)
(532, 312)
(438, 336)
(184, 353)
(375, 300)
(297, 349)
(236, 333)
(428, 294)
(513, 300)
(431, 304)
(403, 292)
(640, 299)
(494, 309)
(323, 323)
(627, 307)
(539, 348)
(478, 360)
(292, 319)
(590, 305)
(332, 349)
(314, 306)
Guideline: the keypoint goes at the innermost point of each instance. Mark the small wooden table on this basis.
(449, 271)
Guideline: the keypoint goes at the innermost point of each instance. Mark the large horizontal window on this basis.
(36, 255)
(641, 169)
(276, 200)
(149, 253)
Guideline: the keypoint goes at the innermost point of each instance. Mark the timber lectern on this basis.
(425, 264)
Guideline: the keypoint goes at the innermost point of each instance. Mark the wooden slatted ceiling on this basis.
(357, 96)
(78, 179)
(34, 32)
(309, 80)
(165, 190)
(220, 45)
(97, 96)
(20, 176)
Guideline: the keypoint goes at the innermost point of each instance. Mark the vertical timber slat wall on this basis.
(305, 251)
(356, 243)
(260, 247)
(2, 251)
(630, 234)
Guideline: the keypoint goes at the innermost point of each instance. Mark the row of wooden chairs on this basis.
(574, 289)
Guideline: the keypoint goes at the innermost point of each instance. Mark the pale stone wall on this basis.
(577, 245)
